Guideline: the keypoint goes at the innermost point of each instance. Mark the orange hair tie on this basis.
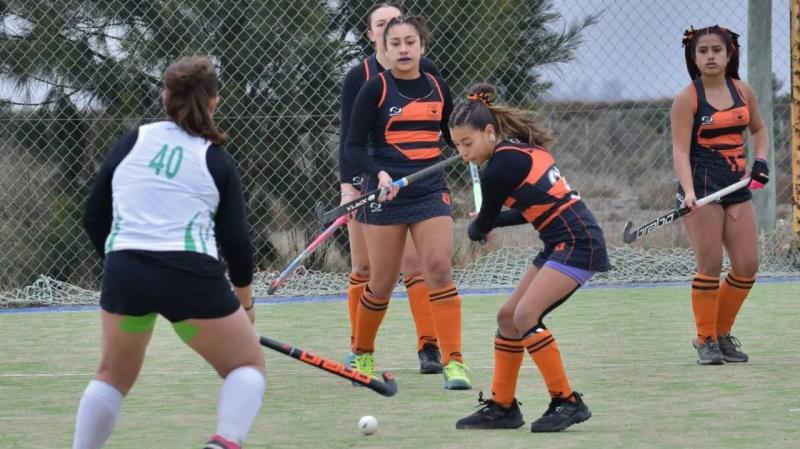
(480, 96)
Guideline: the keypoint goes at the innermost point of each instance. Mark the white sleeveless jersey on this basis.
(164, 198)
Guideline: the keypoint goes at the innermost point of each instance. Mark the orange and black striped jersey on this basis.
(718, 135)
(404, 121)
(353, 81)
(526, 179)
(407, 128)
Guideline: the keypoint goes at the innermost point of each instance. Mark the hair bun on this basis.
(483, 92)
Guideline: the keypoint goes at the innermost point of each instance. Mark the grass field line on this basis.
(399, 369)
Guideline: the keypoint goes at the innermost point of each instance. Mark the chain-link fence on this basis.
(75, 74)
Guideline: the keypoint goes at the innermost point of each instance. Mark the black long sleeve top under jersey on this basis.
(364, 114)
(351, 84)
(230, 222)
(505, 171)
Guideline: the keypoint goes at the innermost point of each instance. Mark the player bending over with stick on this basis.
(521, 173)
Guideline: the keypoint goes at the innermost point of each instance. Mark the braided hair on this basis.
(479, 111)
(729, 38)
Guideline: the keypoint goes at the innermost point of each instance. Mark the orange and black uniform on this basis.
(526, 179)
(717, 154)
(353, 81)
(403, 120)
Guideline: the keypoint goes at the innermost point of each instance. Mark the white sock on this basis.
(239, 403)
(97, 415)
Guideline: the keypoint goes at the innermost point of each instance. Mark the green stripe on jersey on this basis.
(188, 238)
(113, 235)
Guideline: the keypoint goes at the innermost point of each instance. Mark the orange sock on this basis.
(446, 312)
(731, 296)
(354, 291)
(508, 356)
(420, 304)
(371, 311)
(543, 349)
(705, 305)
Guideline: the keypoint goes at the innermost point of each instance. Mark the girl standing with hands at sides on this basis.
(165, 196)
(708, 119)
(350, 180)
(402, 111)
(521, 174)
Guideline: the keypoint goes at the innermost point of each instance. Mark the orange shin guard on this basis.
(543, 349)
(354, 291)
(420, 304)
(732, 293)
(371, 311)
(446, 312)
(705, 305)
(508, 356)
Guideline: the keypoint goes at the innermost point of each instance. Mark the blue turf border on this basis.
(401, 295)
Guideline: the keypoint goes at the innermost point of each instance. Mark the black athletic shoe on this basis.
(492, 415)
(730, 348)
(561, 414)
(430, 360)
(708, 352)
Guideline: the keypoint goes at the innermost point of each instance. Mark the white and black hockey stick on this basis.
(326, 217)
(629, 236)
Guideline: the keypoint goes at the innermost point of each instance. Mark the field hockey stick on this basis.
(386, 387)
(629, 236)
(306, 252)
(476, 186)
(374, 195)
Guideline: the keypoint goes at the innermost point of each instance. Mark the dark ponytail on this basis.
(730, 39)
(191, 83)
(479, 111)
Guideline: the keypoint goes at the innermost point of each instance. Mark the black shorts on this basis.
(574, 238)
(407, 210)
(175, 284)
(710, 179)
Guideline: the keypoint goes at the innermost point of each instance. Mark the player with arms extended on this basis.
(521, 173)
(166, 194)
(708, 119)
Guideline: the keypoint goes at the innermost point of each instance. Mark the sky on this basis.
(634, 52)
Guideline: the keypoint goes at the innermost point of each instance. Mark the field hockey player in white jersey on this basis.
(164, 198)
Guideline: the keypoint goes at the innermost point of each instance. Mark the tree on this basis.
(506, 42)
(92, 70)
(102, 61)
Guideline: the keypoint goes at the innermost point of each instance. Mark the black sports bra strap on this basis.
(737, 99)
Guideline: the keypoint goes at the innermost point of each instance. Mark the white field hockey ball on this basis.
(368, 425)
